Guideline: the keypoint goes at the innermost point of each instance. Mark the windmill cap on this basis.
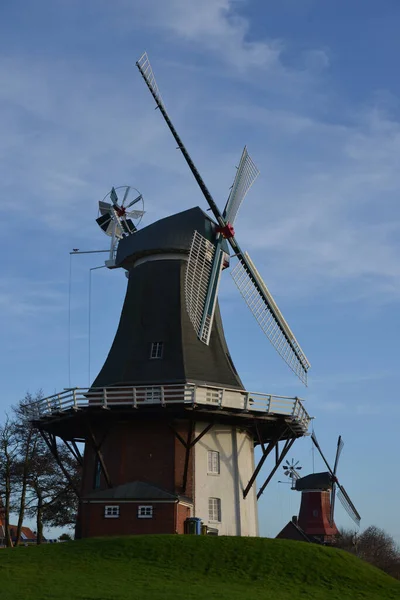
(169, 235)
(315, 481)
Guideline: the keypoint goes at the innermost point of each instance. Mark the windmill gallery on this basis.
(167, 427)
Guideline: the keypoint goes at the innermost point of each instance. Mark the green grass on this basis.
(189, 568)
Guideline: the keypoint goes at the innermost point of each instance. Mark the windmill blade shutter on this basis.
(269, 317)
(199, 271)
(246, 175)
(347, 504)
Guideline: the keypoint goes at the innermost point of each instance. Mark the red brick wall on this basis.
(183, 512)
(128, 523)
(315, 513)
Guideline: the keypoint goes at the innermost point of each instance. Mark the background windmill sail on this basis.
(341, 492)
(277, 330)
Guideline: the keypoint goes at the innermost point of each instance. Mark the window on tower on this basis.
(214, 510)
(213, 462)
(156, 349)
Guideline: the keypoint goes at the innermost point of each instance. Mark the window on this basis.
(156, 349)
(145, 512)
(214, 509)
(153, 395)
(97, 474)
(111, 512)
(213, 462)
(315, 513)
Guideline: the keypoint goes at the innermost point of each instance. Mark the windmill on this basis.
(291, 469)
(206, 259)
(335, 486)
(168, 408)
(318, 493)
(116, 217)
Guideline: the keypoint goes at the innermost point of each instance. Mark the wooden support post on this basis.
(99, 455)
(285, 450)
(267, 451)
(52, 446)
(187, 455)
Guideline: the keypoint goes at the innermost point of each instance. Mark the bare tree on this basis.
(8, 458)
(375, 546)
(27, 437)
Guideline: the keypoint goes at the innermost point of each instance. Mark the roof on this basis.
(293, 531)
(171, 234)
(134, 490)
(315, 481)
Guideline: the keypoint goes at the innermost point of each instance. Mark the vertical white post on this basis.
(74, 399)
(134, 398)
(104, 398)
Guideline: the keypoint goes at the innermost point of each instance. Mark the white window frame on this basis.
(214, 510)
(153, 395)
(145, 511)
(213, 462)
(111, 511)
(157, 350)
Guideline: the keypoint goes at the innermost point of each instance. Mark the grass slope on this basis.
(189, 568)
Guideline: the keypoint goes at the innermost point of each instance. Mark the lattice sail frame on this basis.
(270, 319)
(198, 274)
(147, 72)
(246, 175)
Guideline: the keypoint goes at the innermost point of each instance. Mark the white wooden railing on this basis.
(189, 394)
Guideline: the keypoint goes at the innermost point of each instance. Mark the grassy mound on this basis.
(189, 568)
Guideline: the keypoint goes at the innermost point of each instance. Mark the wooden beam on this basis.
(285, 450)
(187, 455)
(205, 430)
(52, 446)
(99, 455)
(267, 451)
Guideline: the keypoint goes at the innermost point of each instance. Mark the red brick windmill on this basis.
(168, 428)
(318, 493)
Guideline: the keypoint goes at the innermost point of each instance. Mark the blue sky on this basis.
(311, 88)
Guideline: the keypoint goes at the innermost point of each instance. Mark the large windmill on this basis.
(318, 494)
(168, 427)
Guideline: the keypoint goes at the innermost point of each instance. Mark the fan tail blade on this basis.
(339, 449)
(126, 194)
(264, 308)
(114, 197)
(246, 175)
(104, 207)
(203, 274)
(127, 226)
(135, 214)
(348, 505)
(137, 199)
(105, 222)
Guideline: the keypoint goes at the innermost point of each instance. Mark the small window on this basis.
(213, 462)
(156, 349)
(145, 512)
(153, 395)
(214, 510)
(315, 513)
(111, 512)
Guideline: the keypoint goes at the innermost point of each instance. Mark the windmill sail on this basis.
(265, 310)
(348, 505)
(203, 274)
(246, 175)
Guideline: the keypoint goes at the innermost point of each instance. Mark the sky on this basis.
(311, 87)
